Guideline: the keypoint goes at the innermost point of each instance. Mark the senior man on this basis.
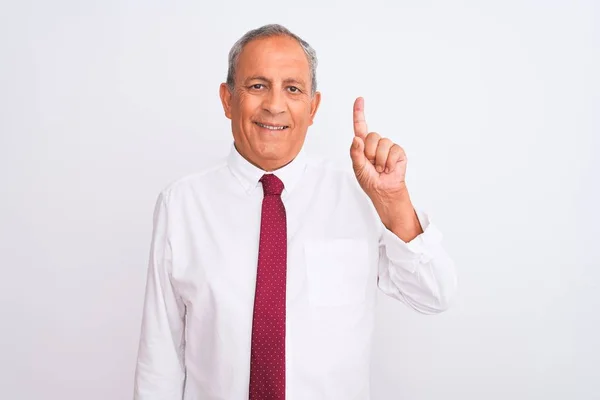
(264, 268)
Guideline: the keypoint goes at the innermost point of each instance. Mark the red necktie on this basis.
(267, 359)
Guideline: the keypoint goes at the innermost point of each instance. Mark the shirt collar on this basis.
(249, 175)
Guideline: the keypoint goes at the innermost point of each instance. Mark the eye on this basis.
(257, 86)
(293, 89)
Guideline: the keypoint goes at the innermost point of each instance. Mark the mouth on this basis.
(272, 127)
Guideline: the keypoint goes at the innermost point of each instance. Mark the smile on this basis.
(272, 127)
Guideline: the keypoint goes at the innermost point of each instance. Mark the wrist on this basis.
(398, 215)
(406, 228)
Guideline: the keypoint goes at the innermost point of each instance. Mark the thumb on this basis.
(357, 153)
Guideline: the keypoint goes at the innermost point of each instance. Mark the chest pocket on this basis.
(337, 271)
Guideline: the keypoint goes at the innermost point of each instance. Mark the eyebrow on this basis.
(285, 81)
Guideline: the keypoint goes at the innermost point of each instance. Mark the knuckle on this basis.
(387, 141)
(373, 136)
(396, 148)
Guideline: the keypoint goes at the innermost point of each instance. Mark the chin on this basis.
(272, 157)
(271, 153)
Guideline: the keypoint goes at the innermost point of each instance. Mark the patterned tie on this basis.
(267, 359)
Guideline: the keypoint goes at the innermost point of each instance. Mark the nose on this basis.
(274, 102)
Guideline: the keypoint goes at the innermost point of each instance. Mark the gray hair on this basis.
(270, 31)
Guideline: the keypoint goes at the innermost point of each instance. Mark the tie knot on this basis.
(272, 185)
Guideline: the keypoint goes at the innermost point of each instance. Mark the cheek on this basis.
(301, 111)
(249, 104)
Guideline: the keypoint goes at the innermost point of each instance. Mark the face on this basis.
(271, 106)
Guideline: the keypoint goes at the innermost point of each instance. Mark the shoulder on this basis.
(332, 171)
(335, 181)
(195, 181)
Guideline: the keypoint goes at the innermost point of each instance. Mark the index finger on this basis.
(360, 125)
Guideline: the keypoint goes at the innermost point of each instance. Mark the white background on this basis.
(496, 103)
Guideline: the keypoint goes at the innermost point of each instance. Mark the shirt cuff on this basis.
(420, 250)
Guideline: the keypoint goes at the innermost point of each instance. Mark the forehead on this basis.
(273, 57)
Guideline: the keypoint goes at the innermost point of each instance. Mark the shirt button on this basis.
(425, 258)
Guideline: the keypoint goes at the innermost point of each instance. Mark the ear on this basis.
(225, 95)
(314, 106)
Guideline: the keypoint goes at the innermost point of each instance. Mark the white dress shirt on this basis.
(197, 317)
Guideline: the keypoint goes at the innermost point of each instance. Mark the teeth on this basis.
(273, 128)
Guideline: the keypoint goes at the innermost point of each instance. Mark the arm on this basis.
(418, 272)
(413, 266)
(160, 370)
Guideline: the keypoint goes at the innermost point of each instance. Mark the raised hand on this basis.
(380, 168)
(379, 164)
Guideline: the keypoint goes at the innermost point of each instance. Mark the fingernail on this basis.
(387, 170)
(379, 168)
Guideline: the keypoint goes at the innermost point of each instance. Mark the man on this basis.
(264, 268)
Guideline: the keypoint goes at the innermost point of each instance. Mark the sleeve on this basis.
(160, 371)
(419, 273)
